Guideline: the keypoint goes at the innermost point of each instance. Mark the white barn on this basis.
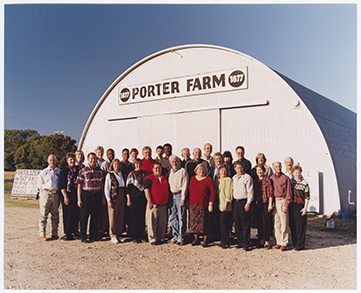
(193, 94)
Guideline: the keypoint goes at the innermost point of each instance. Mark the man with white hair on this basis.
(178, 184)
(192, 164)
(207, 154)
(186, 155)
(283, 197)
(49, 198)
(289, 165)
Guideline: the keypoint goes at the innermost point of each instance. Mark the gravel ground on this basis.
(328, 262)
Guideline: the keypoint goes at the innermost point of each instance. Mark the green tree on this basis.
(13, 140)
(56, 144)
(33, 151)
(27, 157)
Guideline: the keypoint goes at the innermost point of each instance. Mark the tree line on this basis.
(26, 149)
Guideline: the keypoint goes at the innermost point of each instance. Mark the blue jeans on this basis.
(177, 217)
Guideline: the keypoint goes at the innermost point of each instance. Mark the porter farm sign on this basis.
(213, 82)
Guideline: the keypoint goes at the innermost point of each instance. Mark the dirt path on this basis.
(328, 262)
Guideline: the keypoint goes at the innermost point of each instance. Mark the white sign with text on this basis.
(25, 183)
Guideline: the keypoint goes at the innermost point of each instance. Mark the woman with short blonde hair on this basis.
(261, 159)
(202, 193)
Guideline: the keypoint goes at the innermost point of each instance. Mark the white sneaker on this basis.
(120, 239)
(173, 240)
(114, 240)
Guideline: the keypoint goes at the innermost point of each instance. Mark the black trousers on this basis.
(225, 224)
(137, 217)
(298, 224)
(263, 220)
(126, 217)
(70, 213)
(91, 206)
(242, 221)
(215, 219)
(103, 218)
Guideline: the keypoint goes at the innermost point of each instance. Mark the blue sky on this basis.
(60, 59)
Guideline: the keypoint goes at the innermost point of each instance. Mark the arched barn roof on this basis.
(267, 113)
(338, 125)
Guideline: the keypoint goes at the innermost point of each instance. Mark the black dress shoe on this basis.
(83, 240)
(224, 246)
(68, 237)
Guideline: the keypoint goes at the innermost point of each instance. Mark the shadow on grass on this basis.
(318, 236)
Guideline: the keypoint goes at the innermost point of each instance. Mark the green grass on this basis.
(7, 188)
(342, 227)
(22, 203)
(9, 175)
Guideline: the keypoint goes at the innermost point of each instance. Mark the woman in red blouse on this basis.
(202, 192)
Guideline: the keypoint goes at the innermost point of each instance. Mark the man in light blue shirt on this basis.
(49, 198)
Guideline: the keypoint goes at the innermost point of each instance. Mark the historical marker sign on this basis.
(25, 184)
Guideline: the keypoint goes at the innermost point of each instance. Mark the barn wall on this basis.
(267, 116)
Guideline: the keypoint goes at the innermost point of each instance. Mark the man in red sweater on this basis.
(156, 190)
(147, 161)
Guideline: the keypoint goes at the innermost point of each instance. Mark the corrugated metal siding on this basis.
(338, 126)
(262, 118)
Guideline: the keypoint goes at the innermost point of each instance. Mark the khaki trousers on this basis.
(49, 203)
(157, 222)
(116, 215)
(281, 223)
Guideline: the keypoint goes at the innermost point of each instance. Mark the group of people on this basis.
(132, 193)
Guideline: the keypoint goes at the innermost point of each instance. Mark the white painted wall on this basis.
(262, 118)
